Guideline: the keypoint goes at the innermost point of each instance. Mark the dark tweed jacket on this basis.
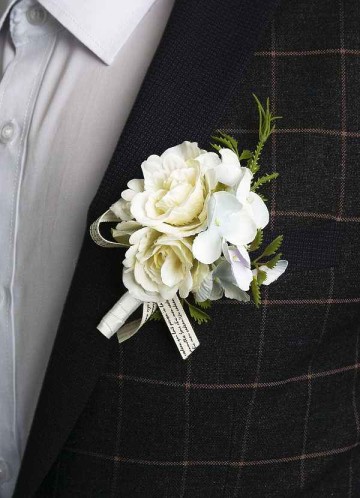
(269, 404)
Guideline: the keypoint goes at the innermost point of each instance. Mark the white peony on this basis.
(158, 265)
(177, 186)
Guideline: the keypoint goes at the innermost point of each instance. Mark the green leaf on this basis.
(156, 316)
(246, 154)
(205, 305)
(266, 119)
(216, 147)
(273, 247)
(266, 128)
(255, 290)
(261, 277)
(274, 261)
(197, 314)
(256, 243)
(264, 179)
(225, 141)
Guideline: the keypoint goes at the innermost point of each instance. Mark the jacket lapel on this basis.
(203, 54)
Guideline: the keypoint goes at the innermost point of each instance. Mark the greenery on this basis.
(263, 179)
(252, 158)
(256, 243)
(195, 311)
(197, 314)
(156, 316)
(223, 140)
(266, 128)
(255, 290)
(205, 305)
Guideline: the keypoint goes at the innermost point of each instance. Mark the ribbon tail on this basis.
(130, 329)
(117, 316)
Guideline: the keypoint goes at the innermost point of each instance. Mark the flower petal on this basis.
(244, 186)
(205, 289)
(244, 255)
(238, 228)
(171, 270)
(228, 172)
(207, 246)
(273, 274)
(240, 268)
(185, 285)
(243, 276)
(260, 212)
(225, 275)
(186, 150)
(136, 184)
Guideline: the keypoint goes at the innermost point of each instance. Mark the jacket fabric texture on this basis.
(269, 404)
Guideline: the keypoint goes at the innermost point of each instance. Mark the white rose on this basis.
(158, 265)
(177, 186)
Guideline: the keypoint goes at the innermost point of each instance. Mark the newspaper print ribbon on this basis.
(114, 322)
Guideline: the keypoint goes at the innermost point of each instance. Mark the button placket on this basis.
(18, 90)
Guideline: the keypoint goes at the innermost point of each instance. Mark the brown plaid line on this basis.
(283, 131)
(310, 378)
(281, 302)
(343, 112)
(251, 405)
(305, 53)
(273, 136)
(323, 216)
(187, 426)
(211, 463)
(251, 385)
(343, 134)
(356, 416)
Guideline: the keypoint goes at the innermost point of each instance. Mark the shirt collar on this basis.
(103, 26)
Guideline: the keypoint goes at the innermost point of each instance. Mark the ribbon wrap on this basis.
(114, 322)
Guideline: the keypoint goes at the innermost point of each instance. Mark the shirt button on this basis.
(7, 132)
(4, 471)
(36, 15)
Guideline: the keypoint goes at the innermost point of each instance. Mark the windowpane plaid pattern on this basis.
(269, 404)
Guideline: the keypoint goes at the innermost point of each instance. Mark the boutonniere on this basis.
(191, 226)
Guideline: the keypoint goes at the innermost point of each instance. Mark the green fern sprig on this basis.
(224, 140)
(197, 314)
(263, 179)
(266, 128)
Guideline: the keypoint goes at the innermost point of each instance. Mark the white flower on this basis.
(226, 169)
(273, 274)
(121, 208)
(122, 232)
(239, 260)
(176, 190)
(227, 220)
(251, 201)
(157, 266)
(219, 282)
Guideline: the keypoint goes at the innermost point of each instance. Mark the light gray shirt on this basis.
(69, 74)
